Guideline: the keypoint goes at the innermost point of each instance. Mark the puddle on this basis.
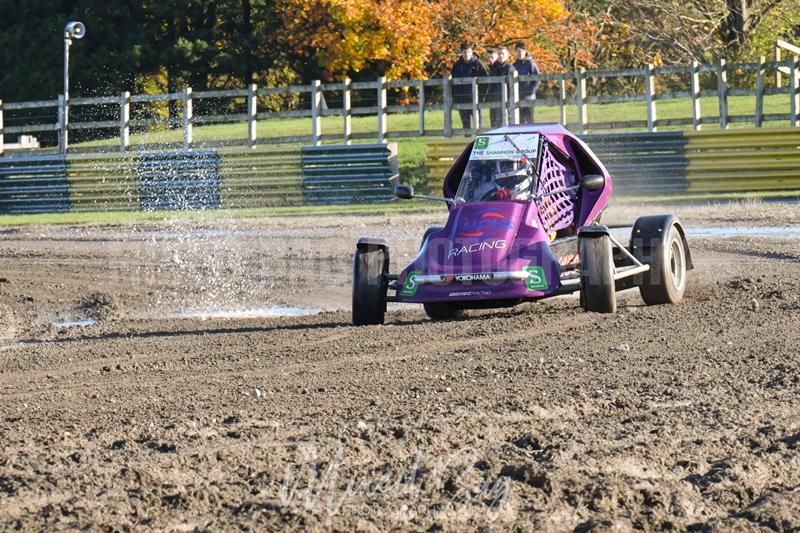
(787, 232)
(780, 232)
(258, 312)
(86, 322)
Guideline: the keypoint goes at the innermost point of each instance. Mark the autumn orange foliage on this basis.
(417, 39)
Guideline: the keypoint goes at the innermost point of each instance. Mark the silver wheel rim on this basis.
(677, 264)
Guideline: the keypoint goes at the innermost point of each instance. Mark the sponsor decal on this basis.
(469, 293)
(494, 147)
(477, 247)
(410, 285)
(484, 276)
(536, 280)
(487, 222)
(482, 143)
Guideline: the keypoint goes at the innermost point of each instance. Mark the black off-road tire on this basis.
(369, 287)
(598, 293)
(665, 282)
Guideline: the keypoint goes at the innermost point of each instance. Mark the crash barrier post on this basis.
(664, 163)
(316, 113)
(342, 174)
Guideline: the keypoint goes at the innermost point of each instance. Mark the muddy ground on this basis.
(184, 406)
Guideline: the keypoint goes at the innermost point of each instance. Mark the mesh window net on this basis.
(557, 211)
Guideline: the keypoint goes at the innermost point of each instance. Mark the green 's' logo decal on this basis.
(536, 280)
(482, 143)
(410, 286)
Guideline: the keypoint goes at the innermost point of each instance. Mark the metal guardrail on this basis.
(358, 173)
(130, 182)
(34, 185)
(746, 160)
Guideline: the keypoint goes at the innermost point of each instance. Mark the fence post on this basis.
(503, 103)
(347, 111)
(62, 124)
(696, 110)
(421, 103)
(382, 127)
(187, 118)
(794, 105)
(562, 99)
(316, 115)
(447, 87)
(252, 114)
(650, 96)
(580, 96)
(124, 121)
(760, 91)
(476, 113)
(722, 93)
(513, 97)
(777, 67)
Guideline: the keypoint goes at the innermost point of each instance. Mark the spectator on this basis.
(491, 56)
(468, 65)
(501, 67)
(525, 66)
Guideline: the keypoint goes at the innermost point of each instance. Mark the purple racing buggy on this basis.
(525, 204)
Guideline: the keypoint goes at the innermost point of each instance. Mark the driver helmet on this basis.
(514, 176)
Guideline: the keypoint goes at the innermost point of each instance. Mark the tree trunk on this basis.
(247, 42)
(735, 27)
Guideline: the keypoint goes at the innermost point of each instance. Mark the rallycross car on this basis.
(525, 204)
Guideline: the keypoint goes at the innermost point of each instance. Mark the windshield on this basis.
(500, 167)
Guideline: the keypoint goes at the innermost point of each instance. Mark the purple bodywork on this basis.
(484, 246)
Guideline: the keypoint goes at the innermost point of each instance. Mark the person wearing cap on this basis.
(468, 65)
(526, 66)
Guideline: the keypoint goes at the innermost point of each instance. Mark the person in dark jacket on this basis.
(526, 66)
(468, 65)
(501, 67)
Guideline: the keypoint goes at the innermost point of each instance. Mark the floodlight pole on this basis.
(73, 30)
(65, 101)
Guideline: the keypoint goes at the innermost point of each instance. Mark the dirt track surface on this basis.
(540, 418)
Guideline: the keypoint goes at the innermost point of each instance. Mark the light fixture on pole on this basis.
(73, 30)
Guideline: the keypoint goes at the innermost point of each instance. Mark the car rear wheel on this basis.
(597, 274)
(665, 282)
(369, 287)
(442, 311)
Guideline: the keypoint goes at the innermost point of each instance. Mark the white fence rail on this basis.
(565, 91)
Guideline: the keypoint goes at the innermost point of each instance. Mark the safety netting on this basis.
(557, 210)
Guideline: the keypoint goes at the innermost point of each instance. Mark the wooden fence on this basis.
(570, 92)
